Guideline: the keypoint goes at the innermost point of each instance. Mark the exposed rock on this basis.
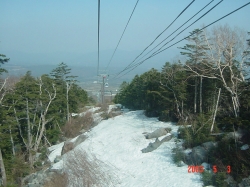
(67, 147)
(206, 166)
(37, 179)
(80, 139)
(245, 182)
(209, 145)
(166, 138)
(180, 163)
(199, 154)
(157, 133)
(57, 159)
(153, 146)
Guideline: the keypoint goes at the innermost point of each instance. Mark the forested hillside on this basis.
(32, 112)
(209, 90)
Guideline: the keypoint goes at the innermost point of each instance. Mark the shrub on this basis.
(17, 169)
(105, 115)
(84, 169)
(58, 179)
(198, 133)
(71, 128)
(207, 178)
(220, 179)
(177, 155)
(217, 180)
(227, 153)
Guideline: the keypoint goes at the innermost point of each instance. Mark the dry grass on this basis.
(71, 129)
(82, 169)
(86, 170)
(58, 179)
(104, 108)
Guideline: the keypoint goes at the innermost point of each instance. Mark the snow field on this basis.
(118, 143)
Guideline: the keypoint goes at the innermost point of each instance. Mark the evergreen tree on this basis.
(3, 60)
(173, 81)
(64, 81)
(196, 53)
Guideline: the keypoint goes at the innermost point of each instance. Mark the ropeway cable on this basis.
(185, 38)
(122, 35)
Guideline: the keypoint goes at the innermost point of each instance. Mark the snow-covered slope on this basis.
(118, 143)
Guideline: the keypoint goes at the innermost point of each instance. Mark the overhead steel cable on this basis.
(98, 43)
(135, 65)
(160, 34)
(130, 65)
(122, 34)
(183, 25)
(186, 37)
(189, 25)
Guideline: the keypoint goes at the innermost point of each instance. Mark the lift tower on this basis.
(102, 80)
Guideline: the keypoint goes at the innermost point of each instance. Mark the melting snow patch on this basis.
(118, 143)
(244, 147)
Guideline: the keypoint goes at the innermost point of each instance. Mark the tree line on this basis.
(208, 89)
(32, 113)
(215, 63)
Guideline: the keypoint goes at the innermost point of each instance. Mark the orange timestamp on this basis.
(228, 169)
(200, 169)
(195, 169)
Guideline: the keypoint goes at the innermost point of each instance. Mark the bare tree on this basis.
(168, 80)
(2, 89)
(226, 61)
(42, 106)
(195, 50)
(69, 83)
(3, 173)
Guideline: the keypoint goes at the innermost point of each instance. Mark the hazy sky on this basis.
(49, 32)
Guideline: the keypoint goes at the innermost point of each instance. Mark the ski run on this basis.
(117, 143)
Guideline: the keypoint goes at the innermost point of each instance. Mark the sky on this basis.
(49, 32)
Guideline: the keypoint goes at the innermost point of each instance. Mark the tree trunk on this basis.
(29, 135)
(12, 142)
(195, 95)
(182, 108)
(215, 112)
(200, 94)
(3, 173)
(235, 105)
(67, 98)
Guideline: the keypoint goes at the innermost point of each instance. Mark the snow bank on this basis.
(92, 110)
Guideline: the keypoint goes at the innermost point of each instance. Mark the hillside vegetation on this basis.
(33, 112)
(209, 91)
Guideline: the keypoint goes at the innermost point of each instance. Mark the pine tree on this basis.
(196, 53)
(3, 60)
(65, 81)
